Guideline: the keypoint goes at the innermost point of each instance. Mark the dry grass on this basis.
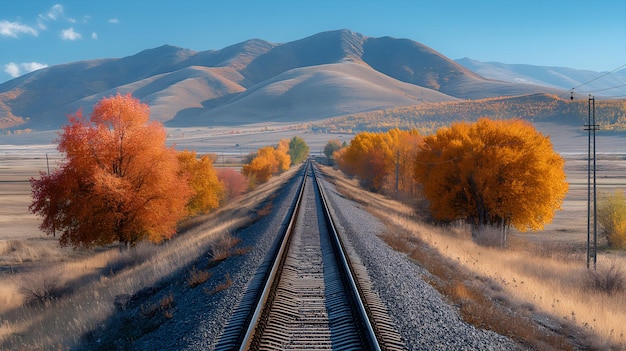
(165, 305)
(481, 301)
(222, 286)
(26, 251)
(96, 278)
(510, 291)
(607, 279)
(44, 287)
(222, 247)
(197, 277)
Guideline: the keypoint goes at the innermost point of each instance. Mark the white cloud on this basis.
(70, 34)
(12, 69)
(32, 66)
(13, 29)
(41, 22)
(15, 70)
(55, 12)
(114, 21)
(94, 36)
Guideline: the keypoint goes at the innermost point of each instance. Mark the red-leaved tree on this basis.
(119, 181)
(235, 184)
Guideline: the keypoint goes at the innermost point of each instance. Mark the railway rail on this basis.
(311, 296)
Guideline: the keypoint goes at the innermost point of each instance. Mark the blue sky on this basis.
(583, 35)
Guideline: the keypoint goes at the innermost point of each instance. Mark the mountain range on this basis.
(613, 85)
(325, 75)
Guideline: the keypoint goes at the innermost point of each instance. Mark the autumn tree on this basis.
(331, 147)
(612, 216)
(283, 146)
(383, 161)
(207, 190)
(118, 182)
(368, 157)
(268, 161)
(492, 173)
(404, 145)
(298, 150)
(234, 182)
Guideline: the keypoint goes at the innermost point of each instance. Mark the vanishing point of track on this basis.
(309, 298)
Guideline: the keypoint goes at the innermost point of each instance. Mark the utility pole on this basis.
(591, 127)
(47, 163)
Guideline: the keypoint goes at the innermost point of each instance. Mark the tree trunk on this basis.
(124, 245)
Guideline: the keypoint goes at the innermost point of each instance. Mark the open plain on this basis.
(25, 250)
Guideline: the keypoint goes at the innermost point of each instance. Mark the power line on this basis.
(596, 78)
(615, 87)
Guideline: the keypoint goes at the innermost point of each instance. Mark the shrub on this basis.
(165, 305)
(197, 277)
(612, 216)
(43, 287)
(610, 280)
(490, 236)
(221, 248)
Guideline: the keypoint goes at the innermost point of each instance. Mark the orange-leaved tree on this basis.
(382, 161)
(404, 145)
(369, 157)
(207, 189)
(118, 182)
(268, 161)
(492, 173)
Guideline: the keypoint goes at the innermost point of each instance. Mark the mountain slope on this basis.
(315, 92)
(324, 75)
(558, 77)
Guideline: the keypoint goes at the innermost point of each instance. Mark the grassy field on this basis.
(51, 295)
(542, 273)
(540, 279)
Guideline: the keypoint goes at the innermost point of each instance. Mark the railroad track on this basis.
(308, 298)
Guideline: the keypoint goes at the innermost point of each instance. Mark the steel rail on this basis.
(251, 337)
(252, 340)
(358, 298)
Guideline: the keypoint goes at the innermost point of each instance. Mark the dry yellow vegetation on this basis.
(427, 118)
(537, 284)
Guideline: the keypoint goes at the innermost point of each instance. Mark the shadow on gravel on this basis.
(173, 315)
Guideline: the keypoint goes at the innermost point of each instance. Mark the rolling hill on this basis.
(325, 75)
(613, 85)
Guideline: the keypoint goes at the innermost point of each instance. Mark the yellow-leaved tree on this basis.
(267, 162)
(207, 189)
(383, 161)
(612, 216)
(369, 157)
(492, 173)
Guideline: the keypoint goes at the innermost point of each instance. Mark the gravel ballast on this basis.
(423, 318)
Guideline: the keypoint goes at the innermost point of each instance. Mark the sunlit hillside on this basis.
(610, 114)
(325, 75)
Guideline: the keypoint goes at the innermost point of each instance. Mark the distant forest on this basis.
(427, 118)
